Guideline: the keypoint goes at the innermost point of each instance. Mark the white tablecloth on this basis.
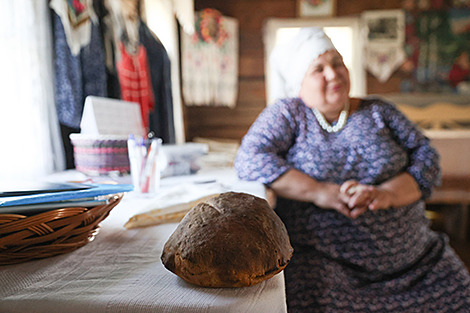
(121, 271)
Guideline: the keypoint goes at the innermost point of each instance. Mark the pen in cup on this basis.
(143, 155)
(144, 159)
(135, 160)
(148, 174)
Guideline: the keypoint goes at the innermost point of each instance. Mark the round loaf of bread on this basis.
(232, 240)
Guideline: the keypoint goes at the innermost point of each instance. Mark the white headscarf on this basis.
(289, 62)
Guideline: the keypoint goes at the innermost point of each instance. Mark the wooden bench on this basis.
(438, 116)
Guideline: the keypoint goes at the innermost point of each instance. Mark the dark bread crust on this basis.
(233, 240)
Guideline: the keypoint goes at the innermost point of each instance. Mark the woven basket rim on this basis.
(46, 234)
(79, 136)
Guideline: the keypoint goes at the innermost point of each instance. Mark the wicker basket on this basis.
(24, 238)
(100, 154)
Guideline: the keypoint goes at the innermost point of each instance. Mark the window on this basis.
(30, 136)
(344, 32)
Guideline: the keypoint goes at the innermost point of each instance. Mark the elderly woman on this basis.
(350, 176)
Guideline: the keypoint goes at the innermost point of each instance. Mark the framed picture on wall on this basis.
(384, 27)
(306, 8)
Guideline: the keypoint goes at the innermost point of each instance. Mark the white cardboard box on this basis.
(105, 116)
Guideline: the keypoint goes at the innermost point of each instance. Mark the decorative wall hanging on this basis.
(437, 47)
(384, 33)
(307, 8)
(210, 61)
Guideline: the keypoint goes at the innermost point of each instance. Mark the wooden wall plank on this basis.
(251, 67)
(252, 91)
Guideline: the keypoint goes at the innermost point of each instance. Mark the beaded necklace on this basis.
(343, 117)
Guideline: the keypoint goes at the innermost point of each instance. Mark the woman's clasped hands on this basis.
(354, 199)
(361, 198)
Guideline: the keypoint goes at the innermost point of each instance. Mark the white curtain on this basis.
(30, 143)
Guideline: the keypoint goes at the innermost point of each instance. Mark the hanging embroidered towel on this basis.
(382, 62)
(210, 61)
(135, 80)
(384, 37)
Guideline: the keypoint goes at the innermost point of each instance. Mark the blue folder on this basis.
(82, 191)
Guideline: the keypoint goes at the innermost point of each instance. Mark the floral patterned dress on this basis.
(384, 261)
